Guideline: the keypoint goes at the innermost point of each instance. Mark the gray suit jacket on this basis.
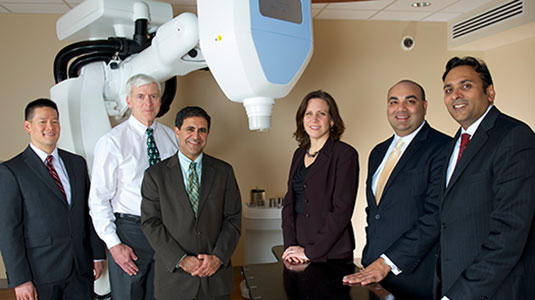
(173, 231)
(487, 212)
(42, 238)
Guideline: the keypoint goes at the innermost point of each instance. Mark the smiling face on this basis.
(405, 108)
(145, 103)
(43, 128)
(317, 120)
(464, 96)
(192, 136)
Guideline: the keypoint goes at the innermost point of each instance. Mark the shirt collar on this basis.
(472, 128)
(138, 126)
(408, 138)
(43, 155)
(185, 161)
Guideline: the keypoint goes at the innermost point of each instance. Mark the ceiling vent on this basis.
(493, 25)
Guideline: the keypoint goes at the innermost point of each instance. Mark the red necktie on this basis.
(465, 138)
(55, 175)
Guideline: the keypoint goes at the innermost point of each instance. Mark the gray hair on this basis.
(140, 80)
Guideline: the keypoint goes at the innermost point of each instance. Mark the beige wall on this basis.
(355, 61)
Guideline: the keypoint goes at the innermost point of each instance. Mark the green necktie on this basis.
(193, 187)
(152, 150)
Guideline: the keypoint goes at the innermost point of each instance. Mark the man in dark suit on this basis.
(487, 240)
(46, 236)
(403, 199)
(191, 216)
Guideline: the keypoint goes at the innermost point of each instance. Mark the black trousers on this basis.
(139, 286)
(75, 287)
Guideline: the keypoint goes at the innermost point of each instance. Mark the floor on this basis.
(8, 294)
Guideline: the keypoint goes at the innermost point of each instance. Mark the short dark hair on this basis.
(479, 66)
(411, 82)
(191, 111)
(336, 130)
(37, 103)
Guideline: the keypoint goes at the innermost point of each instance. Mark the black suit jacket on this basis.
(404, 224)
(42, 238)
(173, 230)
(330, 193)
(487, 212)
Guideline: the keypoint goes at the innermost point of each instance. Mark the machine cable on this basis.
(86, 52)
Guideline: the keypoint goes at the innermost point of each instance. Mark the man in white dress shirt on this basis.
(121, 157)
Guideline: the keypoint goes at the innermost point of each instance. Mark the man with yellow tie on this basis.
(402, 192)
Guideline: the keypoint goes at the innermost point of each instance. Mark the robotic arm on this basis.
(256, 50)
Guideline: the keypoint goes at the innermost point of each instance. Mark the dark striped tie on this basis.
(193, 187)
(152, 150)
(55, 175)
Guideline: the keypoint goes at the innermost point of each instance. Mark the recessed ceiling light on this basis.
(421, 4)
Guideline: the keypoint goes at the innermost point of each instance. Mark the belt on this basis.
(128, 217)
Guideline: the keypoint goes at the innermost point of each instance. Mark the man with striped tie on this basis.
(47, 240)
(191, 215)
(487, 212)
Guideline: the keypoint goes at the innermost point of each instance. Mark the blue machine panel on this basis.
(278, 40)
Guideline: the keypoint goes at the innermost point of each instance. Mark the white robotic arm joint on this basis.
(240, 42)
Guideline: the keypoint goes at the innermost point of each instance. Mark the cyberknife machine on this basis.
(256, 50)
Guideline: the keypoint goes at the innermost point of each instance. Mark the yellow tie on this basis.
(391, 162)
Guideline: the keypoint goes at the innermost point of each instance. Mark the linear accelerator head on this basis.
(256, 50)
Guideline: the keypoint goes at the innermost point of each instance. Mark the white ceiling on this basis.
(394, 10)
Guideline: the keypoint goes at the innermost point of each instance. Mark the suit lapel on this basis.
(74, 180)
(374, 165)
(451, 147)
(474, 146)
(174, 176)
(413, 147)
(208, 175)
(299, 159)
(322, 160)
(39, 168)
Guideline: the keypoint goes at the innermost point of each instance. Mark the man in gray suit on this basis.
(46, 236)
(191, 216)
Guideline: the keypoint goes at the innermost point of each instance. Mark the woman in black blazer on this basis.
(322, 186)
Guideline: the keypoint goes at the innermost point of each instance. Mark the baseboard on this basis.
(3, 283)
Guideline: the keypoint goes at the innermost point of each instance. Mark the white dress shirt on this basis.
(120, 159)
(470, 130)
(57, 162)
